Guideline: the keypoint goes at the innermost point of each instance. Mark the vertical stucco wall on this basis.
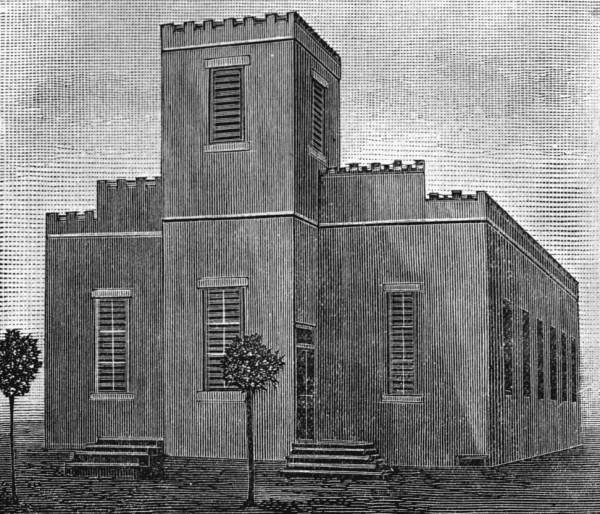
(521, 426)
(211, 424)
(448, 260)
(74, 267)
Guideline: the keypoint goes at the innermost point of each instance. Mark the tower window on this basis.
(318, 109)
(226, 105)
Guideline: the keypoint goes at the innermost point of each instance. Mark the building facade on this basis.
(435, 326)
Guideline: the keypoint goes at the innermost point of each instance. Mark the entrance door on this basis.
(305, 384)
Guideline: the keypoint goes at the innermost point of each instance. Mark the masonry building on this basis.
(431, 326)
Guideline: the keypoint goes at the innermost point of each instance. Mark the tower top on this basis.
(247, 30)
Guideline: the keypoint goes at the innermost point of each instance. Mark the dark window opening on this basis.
(574, 373)
(564, 382)
(540, 359)
(526, 341)
(507, 346)
(226, 105)
(553, 365)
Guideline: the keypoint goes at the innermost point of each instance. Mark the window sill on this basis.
(220, 396)
(234, 146)
(111, 396)
(317, 155)
(405, 398)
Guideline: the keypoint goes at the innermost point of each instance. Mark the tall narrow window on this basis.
(223, 320)
(507, 346)
(553, 365)
(112, 343)
(526, 345)
(574, 373)
(540, 359)
(305, 383)
(402, 342)
(226, 105)
(564, 382)
(318, 109)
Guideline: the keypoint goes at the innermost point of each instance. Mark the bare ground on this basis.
(558, 483)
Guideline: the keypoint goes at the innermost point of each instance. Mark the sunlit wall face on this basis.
(501, 96)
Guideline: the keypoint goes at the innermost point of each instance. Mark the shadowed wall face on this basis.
(447, 414)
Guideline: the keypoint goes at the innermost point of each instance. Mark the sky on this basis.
(499, 96)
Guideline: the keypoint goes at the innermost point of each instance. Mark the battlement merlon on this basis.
(376, 167)
(249, 30)
(122, 206)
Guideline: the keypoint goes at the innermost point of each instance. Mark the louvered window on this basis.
(553, 365)
(574, 370)
(540, 359)
(226, 105)
(318, 122)
(402, 342)
(526, 342)
(564, 382)
(223, 320)
(507, 346)
(112, 344)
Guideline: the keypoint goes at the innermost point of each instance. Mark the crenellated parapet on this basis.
(248, 30)
(71, 222)
(456, 194)
(122, 206)
(397, 166)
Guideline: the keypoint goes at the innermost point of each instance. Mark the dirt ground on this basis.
(558, 483)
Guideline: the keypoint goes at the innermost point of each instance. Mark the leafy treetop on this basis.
(250, 365)
(19, 362)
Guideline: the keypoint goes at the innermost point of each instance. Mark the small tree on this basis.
(250, 366)
(19, 362)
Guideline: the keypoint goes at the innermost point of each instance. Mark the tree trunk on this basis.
(250, 441)
(11, 403)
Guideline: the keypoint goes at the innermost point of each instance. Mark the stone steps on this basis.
(351, 459)
(131, 456)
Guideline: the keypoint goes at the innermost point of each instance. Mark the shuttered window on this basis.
(223, 320)
(112, 345)
(226, 105)
(564, 381)
(526, 346)
(574, 370)
(507, 346)
(402, 342)
(318, 122)
(540, 359)
(553, 365)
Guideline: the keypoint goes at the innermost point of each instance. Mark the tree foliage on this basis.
(249, 365)
(19, 362)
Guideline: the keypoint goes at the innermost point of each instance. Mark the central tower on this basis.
(250, 115)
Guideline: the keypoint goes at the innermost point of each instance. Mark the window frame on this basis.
(405, 396)
(211, 104)
(206, 387)
(98, 296)
(508, 343)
